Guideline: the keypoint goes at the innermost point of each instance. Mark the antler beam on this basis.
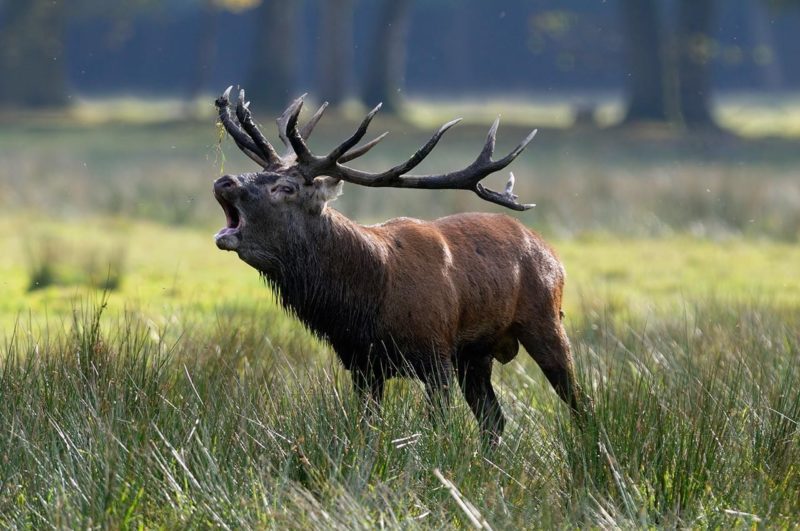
(468, 178)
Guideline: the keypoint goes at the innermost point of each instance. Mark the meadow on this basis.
(148, 380)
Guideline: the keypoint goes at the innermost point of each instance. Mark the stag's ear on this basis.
(327, 189)
(320, 192)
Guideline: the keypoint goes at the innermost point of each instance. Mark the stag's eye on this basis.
(283, 189)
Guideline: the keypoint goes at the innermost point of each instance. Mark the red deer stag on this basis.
(406, 297)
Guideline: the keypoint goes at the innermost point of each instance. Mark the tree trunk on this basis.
(646, 81)
(33, 72)
(335, 55)
(274, 72)
(694, 56)
(386, 67)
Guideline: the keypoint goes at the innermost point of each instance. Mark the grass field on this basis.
(184, 397)
(123, 422)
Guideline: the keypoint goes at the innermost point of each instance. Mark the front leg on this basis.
(368, 385)
(438, 379)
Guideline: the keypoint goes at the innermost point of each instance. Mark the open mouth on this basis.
(233, 218)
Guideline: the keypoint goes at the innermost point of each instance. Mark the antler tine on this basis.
(392, 176)
(488, 148)
(422, 152)
(507, 199)
(510, 185)
(288, 122)
(246, 119)
(299, 146)
(348, 144)
(505, 161)
(283, 119)
(305, 132)
(244, 142)
(354, 154)
(484, 165)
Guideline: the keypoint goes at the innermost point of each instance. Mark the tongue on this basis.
(225, 232)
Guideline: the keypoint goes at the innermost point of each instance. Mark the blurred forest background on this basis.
(668, 56)
(657, 117)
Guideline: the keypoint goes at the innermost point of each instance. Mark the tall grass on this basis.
(121, 425)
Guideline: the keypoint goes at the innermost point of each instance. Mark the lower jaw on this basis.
(227, 241)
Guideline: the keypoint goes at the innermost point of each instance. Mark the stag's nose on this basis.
(223, 183)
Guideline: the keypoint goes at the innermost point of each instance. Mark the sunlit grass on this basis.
(172, 271)
(764, 115)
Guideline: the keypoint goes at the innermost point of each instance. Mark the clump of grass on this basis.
(57, 261)
(41, 262)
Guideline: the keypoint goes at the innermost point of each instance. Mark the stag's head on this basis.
(265, 208)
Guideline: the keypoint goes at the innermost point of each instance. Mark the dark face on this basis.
(264, 209)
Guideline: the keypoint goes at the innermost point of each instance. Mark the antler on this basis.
(469, 178)
(252, 142)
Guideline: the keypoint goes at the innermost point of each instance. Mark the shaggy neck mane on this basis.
(331, 276)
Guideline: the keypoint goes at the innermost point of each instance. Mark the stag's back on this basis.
(465, 277)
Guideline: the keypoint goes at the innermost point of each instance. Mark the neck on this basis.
(331, 276)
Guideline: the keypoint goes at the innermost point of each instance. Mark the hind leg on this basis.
(549, 347)
(475, 378)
